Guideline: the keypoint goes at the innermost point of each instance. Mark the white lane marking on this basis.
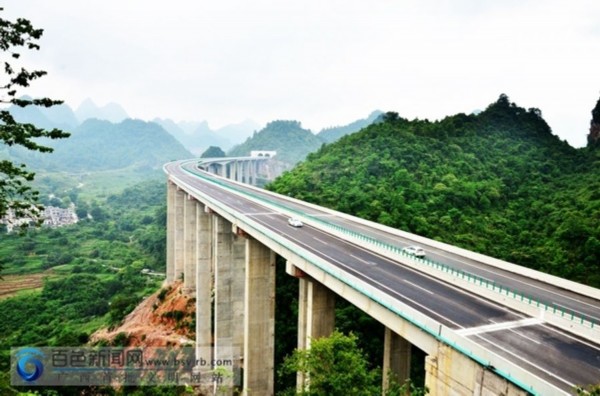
(443, 284)
(430, 277)
(320, 240)
(499, 326)
(417, 286)
(364, 261)
(424, 275)
(582, 341)
(394, 292)
(496, 345)
(354, 271)
(517, 280)
(479, 265)
(524, 336)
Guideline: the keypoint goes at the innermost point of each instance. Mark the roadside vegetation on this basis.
(93, 272)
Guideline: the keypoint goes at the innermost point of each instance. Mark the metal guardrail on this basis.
(551, 308)
(428, 325)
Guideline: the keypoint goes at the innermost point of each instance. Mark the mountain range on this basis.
(198, 136)
(98, 145)
(291, 141)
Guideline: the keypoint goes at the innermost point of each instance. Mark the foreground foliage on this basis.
(335, 365)
(16, 193)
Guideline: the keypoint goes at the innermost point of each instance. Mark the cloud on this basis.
(321, 62)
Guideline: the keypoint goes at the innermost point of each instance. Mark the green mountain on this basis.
(101, 145)
(332, 134)
(288, 138)
(498, 182)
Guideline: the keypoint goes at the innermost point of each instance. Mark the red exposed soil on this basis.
(156, 323)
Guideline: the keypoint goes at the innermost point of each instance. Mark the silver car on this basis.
(295, 222)
(414, 251)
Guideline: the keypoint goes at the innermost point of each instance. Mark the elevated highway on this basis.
(484, 323)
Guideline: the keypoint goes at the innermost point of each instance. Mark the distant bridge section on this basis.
(255, 170)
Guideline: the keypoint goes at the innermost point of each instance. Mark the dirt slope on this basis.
(166, 318)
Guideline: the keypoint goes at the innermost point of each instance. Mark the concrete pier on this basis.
(180, 197)
(316, 316)
(229, 264)
(170, 253)
(190, 245)
(204, 287)
(259, 319)
(396, 359)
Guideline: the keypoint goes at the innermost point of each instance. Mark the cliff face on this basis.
(166, 318)
(594, 135)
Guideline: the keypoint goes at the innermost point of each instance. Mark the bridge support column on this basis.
(259, 319)
(234, 170)
(396, 358)
(239, 174)
(190, 246)
(247, 172)
(316, 317)
(203, 288)
(316, 311)
(230, 253)
(449, 372)
(170, 253)
(179, 237)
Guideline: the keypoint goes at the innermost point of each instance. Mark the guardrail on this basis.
(500, 365)
(560, 316)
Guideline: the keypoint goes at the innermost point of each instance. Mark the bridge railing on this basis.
(562, 317)
(464, 345)
(553, 313)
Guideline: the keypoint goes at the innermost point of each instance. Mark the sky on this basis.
(321, 62)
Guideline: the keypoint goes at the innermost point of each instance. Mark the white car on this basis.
(414, 251)
(295, 222)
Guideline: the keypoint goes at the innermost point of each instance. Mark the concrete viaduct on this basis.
(241, 169)
(504, 331)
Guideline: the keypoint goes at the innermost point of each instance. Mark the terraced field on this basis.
(12, 284)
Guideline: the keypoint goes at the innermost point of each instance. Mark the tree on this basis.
(336, 366)
(594, 135)
(213, 152)
(15, 192)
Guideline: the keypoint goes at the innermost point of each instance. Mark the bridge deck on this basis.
(560, 358)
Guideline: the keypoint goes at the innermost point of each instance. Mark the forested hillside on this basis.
(499, 183)
(93, 273)
(292, 142)
(288, 138)
(100, 145)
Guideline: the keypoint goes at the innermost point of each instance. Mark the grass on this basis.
(13, 285)
(93, 185)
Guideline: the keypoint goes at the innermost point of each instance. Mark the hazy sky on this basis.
(321, 62)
